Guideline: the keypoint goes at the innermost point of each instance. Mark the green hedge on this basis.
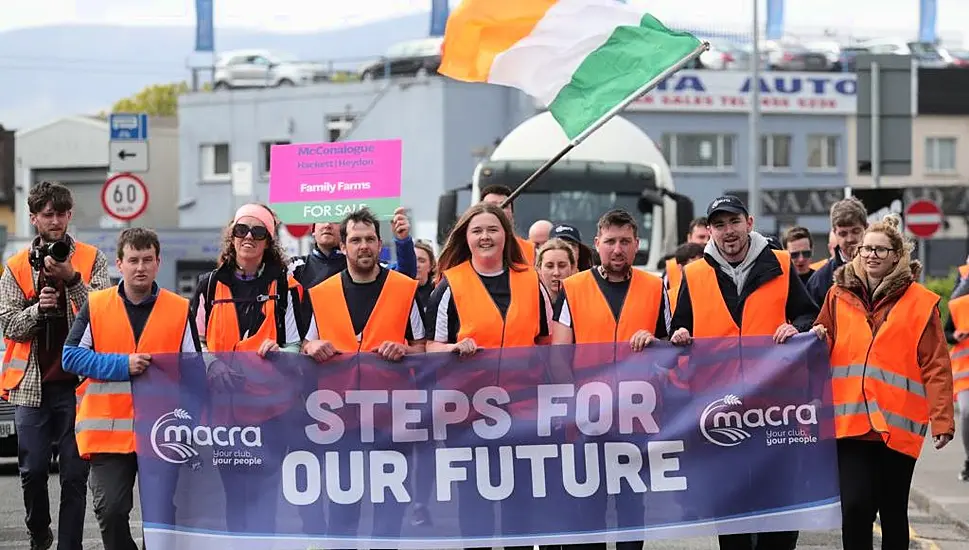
(943, 286)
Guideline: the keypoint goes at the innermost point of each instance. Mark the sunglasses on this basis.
(806, 254)
(258, 232)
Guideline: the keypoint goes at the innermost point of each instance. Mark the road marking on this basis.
(924, 544)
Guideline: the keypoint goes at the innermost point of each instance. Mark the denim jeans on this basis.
(38, 429)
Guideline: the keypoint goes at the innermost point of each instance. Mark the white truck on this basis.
(618, 166)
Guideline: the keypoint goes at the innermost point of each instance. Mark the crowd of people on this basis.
(894, 376)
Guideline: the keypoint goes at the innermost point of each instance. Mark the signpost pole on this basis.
(922, 260)
(876, 143)
(753, 168)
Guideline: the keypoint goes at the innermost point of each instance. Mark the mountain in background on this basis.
(52, 72)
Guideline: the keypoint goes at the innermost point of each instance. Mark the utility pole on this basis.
(753, 168)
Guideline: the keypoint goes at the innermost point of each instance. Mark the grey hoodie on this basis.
(739, 274)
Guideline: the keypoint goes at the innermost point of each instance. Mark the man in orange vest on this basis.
(111, 341)
(742, 288)
(496, 194)
(367, 308)
(957, 334)
(41, 290)
(612, 303)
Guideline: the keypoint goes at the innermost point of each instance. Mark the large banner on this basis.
(556, 444)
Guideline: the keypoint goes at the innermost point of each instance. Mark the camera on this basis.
(58, 250)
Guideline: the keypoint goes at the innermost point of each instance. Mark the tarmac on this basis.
(937, 490)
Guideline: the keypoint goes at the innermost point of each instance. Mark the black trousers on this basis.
(112, 487)
(874, 480)
(780, 540)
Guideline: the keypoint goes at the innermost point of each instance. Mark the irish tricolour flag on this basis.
(580, 58)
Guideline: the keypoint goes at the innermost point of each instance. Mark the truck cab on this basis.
(618, 166)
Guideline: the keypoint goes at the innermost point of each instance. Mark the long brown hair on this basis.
(273, 255)
(456, 251)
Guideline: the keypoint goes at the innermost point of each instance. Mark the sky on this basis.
(894, 17)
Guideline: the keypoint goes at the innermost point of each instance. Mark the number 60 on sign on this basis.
(124, 197)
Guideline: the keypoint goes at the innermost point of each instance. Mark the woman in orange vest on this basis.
(891, 384)
(247, 305)
(488, 297)
(957, 334)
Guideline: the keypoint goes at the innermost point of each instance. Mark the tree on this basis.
(155, 100)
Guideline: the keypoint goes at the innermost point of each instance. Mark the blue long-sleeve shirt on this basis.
(80, 358)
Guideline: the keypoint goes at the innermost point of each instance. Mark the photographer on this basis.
(41, 290)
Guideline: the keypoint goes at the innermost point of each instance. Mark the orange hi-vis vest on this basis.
(764, 310)
(876, 378)
(818, 264)
(480, 318)
(18, 353)
(592, 319)
(959, 310)
(528, 250)
(388, 320)
(674, 276)
(964, 271)
(106, 415)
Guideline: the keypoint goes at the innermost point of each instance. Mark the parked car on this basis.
(722, 55)
(846, 62)
(261, 69)
(794, 57)
(926, 54)
(8, 430)
(413, 58)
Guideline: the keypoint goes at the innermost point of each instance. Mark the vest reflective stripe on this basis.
(222, 332)
(674, 276)
(876, 379)
(764, 310)
(17, 354)
(528, 250)
(818, 264)
(387, 323)
(592, 318)
(479, 316)
(105, 415)
(964, 271)
(959, 310)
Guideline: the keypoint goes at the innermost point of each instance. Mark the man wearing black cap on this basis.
(738, 289)
(571, 235)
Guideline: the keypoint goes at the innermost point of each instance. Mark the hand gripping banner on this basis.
(556, 444)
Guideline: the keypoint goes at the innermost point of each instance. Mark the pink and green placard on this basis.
(323, 182)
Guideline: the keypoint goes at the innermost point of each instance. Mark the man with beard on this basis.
(592, 309)
(366, 309)
(39, 297)
(849, 219)
(741, 288)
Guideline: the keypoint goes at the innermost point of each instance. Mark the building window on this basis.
(215, 162)
(265, 149)
(940, 155)
(822, 152)
(699, 151)
(775, 152)
(337, 126)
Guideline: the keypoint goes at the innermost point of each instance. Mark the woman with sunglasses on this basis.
(891, 382)
(246, 305)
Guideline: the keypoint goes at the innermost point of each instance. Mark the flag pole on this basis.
(704, 46)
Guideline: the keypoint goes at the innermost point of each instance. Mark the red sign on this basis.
(299, 230)
(124, 197)
(923, 218)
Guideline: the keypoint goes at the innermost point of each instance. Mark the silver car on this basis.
(262, 69)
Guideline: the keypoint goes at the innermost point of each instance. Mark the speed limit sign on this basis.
(124, 197)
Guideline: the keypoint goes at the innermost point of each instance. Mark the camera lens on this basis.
(59, 251)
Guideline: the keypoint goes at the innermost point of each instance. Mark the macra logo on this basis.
(175, 442)
(728, 428)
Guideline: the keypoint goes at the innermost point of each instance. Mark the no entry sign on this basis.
(923, 218)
